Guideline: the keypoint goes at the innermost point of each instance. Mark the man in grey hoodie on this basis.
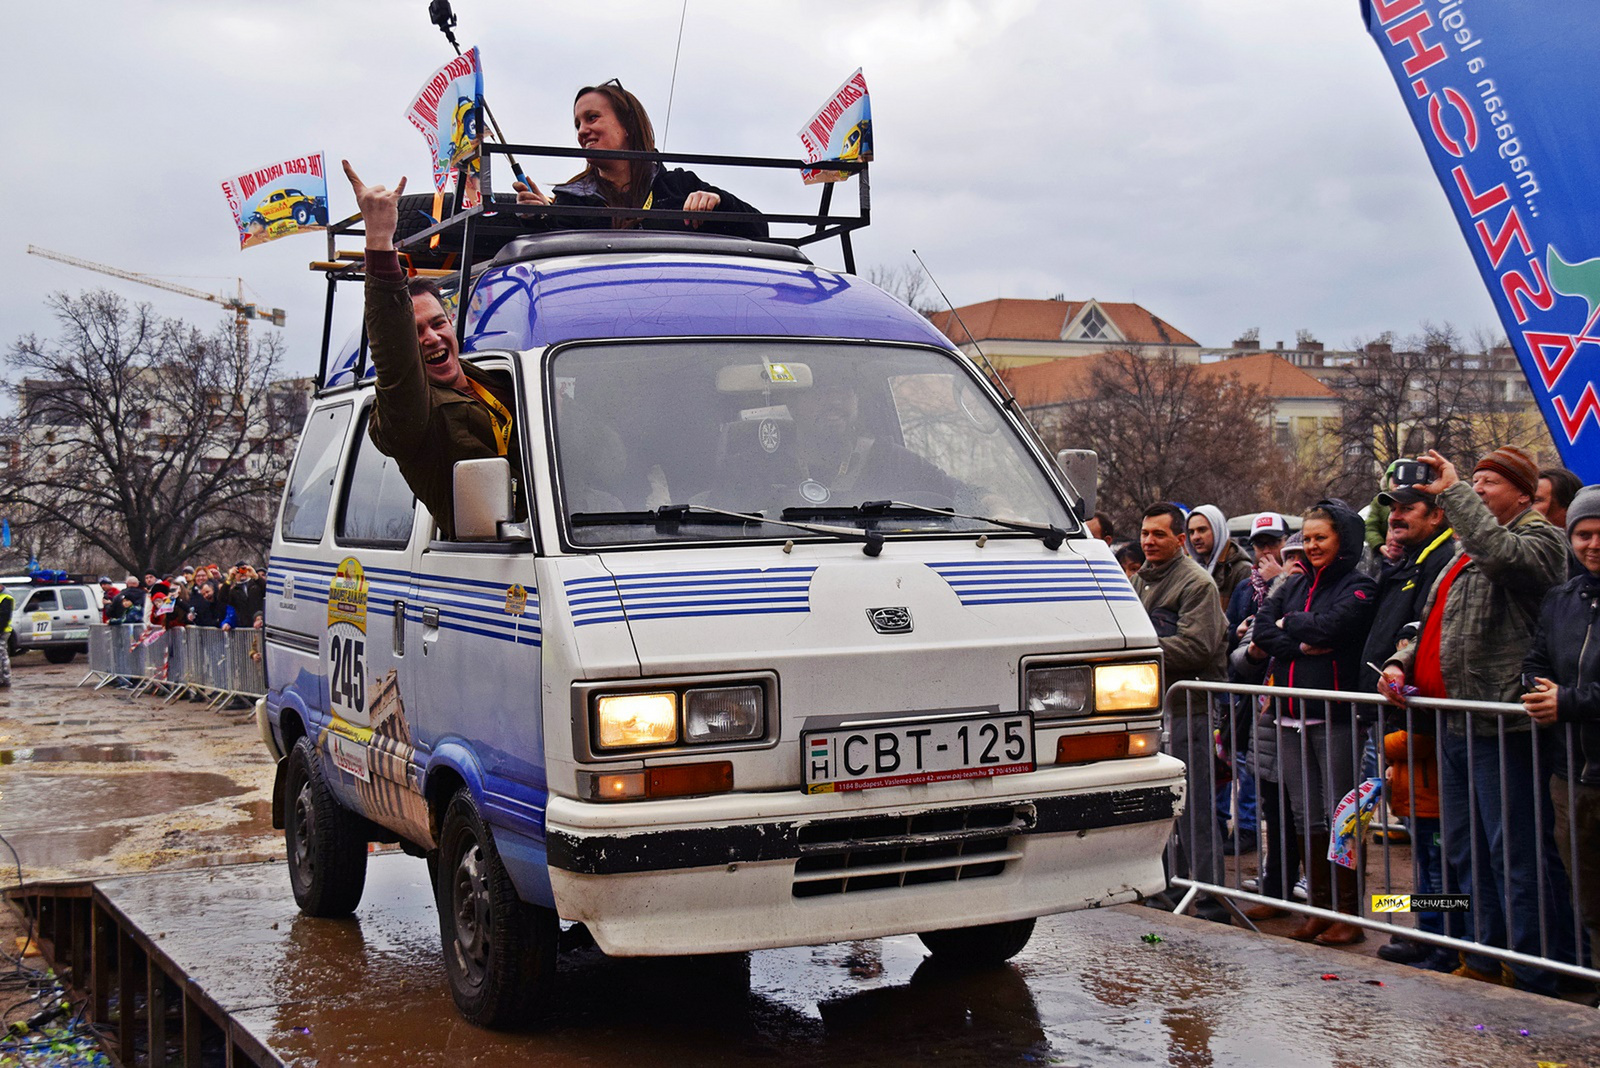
(1183, 605)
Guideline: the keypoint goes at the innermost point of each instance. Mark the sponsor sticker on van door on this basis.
(350, 728)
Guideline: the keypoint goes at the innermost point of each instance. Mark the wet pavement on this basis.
(100, 785)
(1089, 990)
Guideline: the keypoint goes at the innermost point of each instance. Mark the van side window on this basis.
(378, 506)
(74, 600)
(43, 601)
(305, 505)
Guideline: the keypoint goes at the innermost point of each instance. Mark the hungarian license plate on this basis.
(916, 751)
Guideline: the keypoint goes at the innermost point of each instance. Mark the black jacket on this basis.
(207, 613)
(1331, 608)
(668, 191)
(247, 598)
(1566, 650)
(1402, 591)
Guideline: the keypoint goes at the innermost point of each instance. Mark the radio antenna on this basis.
(440, 15)
(665, 130)
(994, 376)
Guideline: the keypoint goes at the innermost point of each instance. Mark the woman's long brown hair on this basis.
(641, 138)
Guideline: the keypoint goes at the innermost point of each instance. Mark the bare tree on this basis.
(906, 281)
(1427, 391)
(141, 436)
(1167, 430)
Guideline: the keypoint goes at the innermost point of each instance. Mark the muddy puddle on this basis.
(106, 753)
(61, 821)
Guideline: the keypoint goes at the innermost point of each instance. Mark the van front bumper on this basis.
(752, 871)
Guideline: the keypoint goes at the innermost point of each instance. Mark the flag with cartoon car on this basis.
(448, 112)
(840, 130)
(288, 196)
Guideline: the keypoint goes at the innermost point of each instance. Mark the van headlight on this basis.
(1060, 690)
(1057, 691)
(1127, 687)
(724, 714)
(633, 719)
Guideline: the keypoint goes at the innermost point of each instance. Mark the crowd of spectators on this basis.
(1484, 588)
(198, 596)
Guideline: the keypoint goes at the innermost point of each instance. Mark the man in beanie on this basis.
(1477, 627)
(1565, 701)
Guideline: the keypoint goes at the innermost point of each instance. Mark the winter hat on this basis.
(1586, 505)
(1295, 544)
(1515, 465)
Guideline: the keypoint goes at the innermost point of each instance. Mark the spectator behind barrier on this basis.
(1477, 628)
(1181, 600)
(1565, 701)
(1313, 627)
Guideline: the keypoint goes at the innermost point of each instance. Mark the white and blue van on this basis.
(800, 640)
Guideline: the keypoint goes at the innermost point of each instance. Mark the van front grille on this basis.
(888, 852)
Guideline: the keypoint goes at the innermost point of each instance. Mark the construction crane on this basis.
(243, 311)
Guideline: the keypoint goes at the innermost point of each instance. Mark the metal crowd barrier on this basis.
(201, 663)
(1523, 912)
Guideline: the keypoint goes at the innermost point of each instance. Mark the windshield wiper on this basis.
(1051, 535)
(674, 514)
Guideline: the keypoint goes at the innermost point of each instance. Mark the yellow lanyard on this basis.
(499, 418)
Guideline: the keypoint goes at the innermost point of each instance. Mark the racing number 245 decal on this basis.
(348, 672)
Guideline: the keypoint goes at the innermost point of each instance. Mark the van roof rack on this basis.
(600, 242)
(457, 245)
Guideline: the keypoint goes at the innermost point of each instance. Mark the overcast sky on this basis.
(1225, 163)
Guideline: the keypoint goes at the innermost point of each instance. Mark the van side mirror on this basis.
(1082, 467)
(482, 496)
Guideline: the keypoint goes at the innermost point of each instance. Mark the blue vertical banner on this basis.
(1506, 99)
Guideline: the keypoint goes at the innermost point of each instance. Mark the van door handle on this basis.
(430, 628)
(399, 627)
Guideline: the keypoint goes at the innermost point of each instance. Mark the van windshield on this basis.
(801, 431)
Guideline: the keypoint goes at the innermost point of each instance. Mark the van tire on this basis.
(978, 947)
(325, 841)
(499, 951)
(60, 656)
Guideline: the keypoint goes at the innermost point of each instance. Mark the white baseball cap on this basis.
(1268, 525)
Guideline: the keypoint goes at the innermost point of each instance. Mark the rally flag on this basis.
(840, 130)
(1502, 96)
(282, 198)
(1350, 818)
(448, 111)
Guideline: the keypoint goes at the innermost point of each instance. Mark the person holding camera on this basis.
(1562, 673)
(1477, 627)
(1417, 525)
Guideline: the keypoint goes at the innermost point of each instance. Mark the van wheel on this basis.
(976, 947)
(325, 841)
(499, 951)
(60, 656)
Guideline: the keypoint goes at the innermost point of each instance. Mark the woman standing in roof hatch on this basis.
(1314, 626)
(609, 118)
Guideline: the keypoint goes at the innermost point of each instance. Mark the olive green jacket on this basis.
(1493, 606)
(426, 428)
(1182, 603)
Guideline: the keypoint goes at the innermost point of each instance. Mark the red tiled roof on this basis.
(1071, 378)
(1043, 320)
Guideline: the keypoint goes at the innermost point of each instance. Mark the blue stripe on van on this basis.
(1032, 581)
(472, 606)
(690, 594)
